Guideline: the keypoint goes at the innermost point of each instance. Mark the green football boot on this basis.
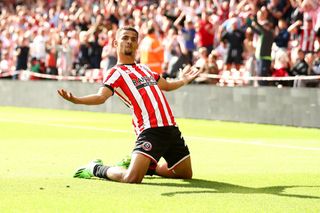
(86, 171)
(125, 162)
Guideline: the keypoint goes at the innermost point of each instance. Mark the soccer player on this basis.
(157, 132)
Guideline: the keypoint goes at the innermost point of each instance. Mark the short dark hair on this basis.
(150, 30)
(127, 28)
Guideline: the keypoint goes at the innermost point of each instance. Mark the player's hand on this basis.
(189, 73)
(66, 95)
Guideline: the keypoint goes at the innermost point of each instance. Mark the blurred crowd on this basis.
(229, 38)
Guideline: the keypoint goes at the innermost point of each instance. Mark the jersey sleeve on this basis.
(112, 79)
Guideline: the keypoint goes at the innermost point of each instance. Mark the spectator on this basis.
(307, 35)
(297, 13)
(207, 65)
(300, 67)
(22, 54)
(188, 32)
(281, 66)
(223, 10)
(192, 9)
(6, 63)
(249, 50)
(74, 45)
(34, 67)
(264, 45)
(314, 68)
(6, 39)
(95, 50)
(83, 57)
(151, 51)
(221, 50)
(64, 58)
(175, 54)
(202, 58)
(316, 64)
(109, 56)
(205, 32)
(199, 24)
(282, 35)
(38, 45)
(234, 39)
(51, 62)
(277, 9)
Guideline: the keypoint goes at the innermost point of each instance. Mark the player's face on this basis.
(127, 42)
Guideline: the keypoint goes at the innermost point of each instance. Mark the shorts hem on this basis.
(145, 154)
(176, 164)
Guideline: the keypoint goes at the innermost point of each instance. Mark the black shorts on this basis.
(165, 142)
(234, 57)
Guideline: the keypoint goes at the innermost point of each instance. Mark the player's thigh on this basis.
(183, 169)
(139, 166)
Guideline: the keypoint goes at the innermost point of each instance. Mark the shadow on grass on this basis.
(220, 187)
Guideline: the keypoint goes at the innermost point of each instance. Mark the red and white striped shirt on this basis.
(136, 85)
(307, 39)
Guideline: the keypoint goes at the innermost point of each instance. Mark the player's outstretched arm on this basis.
(188, 74)
(99, 98)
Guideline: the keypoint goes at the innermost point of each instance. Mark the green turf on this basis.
(237, 167)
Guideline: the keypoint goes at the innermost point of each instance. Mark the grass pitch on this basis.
(237, 167)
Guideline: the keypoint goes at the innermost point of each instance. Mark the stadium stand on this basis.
(71, 39)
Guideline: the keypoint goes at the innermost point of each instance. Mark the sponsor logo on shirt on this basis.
(144, 82)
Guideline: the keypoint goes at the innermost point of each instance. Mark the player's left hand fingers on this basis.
(195, 71)
(69, 95)
(61, 92)
(186, 69)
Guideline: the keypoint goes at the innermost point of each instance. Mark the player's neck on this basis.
(125, 60)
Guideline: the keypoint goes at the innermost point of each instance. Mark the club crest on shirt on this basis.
(147, 146)
(144, 81)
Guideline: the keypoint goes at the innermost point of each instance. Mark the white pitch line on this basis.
(195, 138)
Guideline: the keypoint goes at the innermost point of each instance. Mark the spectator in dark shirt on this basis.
(277, 9)
(263, 49)
(297, 13)
(83, 57)
(22, 53)
(95, 51)
(316, 64)
(314, 68)
(234, 39)
(301, 66)
(283, 36)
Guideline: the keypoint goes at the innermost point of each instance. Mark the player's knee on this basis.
(132, 179)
